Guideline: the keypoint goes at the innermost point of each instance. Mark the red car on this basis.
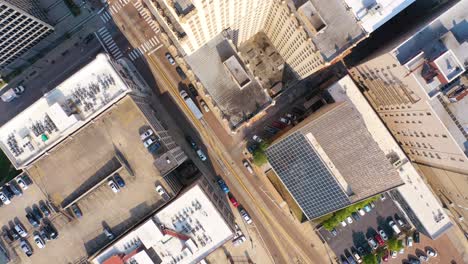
(379, 240)
(385, 256)
(233, 201)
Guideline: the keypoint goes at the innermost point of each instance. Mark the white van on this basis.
(394, 227)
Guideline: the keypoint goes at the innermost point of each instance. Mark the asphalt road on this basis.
(284, 239)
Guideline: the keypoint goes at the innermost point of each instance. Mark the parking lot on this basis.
(356, 234)
(82, 163)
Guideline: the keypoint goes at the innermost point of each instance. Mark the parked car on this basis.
(14, 234)
(148, 142)
(409, 241)
(333, 232)
(245, 216)
(37, 212)
(383, 234)
(118, 179)
(257, 138)
(22, 183)
(423, 257)
(181, 73)
(431, 252)
(394, 254)
(192, 90)
(367, 208)
(285, 121)
(201, 154)
(383, 197)
(349, 220)
(160, 190)
(146, 134)
(372, 204)
(361, 212)
(19, 228)
(76, 210)
(372, 243)
(15, 188)
(40, 243)
(350, 259)
(356, 255)
(109, 234)
(361, 251)
(247, 166)
(355, 216)
(32, 220)
(223, 185)
(51, 231)
(191, 142)
(343, 223)
(8, 192)
(113, 186)
(233, 201)
(7, 237)
(26, 248)
(379, 239)
(204, 106)
(5, 200)
(385, 256)
(170, 58)
(44, 208)
(402, 251)
(394, 227)
(416, 237)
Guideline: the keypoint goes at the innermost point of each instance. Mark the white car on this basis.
(4, 198)
(22, 183)
(205, 107)
(20, 230)
(343, 223)
(201, 154)
(349, 220)
(148, 142)
(257, 138)
(383, 234)
(147, 133)
(248, 167)
(431, 252)
(40, 243)
(113, 186)
(393, 254)
(409, 241)
(170, 58)
(361, 212)
(160, 190)
(246, 216)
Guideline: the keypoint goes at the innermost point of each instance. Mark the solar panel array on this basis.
(306, 177)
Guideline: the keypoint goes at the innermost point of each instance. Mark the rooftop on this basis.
(340, 167)
(417, 195)
(185, 231)
(62, 111)
(237, 105)
(183, 7)
(238, 73)
(374, 13)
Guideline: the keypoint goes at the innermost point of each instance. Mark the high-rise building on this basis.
(419, 90)
(307, 34)
(22, 25)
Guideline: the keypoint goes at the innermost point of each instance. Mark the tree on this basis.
(395, 244)
(259, 156)
(370, 259)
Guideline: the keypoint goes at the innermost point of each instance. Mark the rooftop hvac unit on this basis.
(373, 9)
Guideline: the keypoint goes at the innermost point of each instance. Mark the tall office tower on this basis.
(307, 34)
(419, 89)
(21, 27)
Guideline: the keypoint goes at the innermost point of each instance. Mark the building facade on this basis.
(307, 35)
(22, 25)
(419, 90)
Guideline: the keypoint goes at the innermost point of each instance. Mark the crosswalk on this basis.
(145, 14)
(105, 16)
(148, 46)
(109, 43)
(115, 7)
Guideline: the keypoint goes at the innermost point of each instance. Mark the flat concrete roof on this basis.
(62, 111)
(237, 105)
(185, 231)
(237, 71)
(415, 192)
(374, 13)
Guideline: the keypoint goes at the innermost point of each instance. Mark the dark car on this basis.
(192, 90)
(37, 212)
(109, 234)
(223, 185)
(76, 210)
(14, 234)
(15, 188)
(49, 231)
(191, 142)
(416, 237)
(355, 216)
(7, 236)
(8, 192)
(32, 220)
(119, 180)
(44, 208)
(181, 73)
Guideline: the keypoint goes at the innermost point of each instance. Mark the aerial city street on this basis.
(234, 131)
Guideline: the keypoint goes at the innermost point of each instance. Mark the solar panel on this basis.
(306, 177)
